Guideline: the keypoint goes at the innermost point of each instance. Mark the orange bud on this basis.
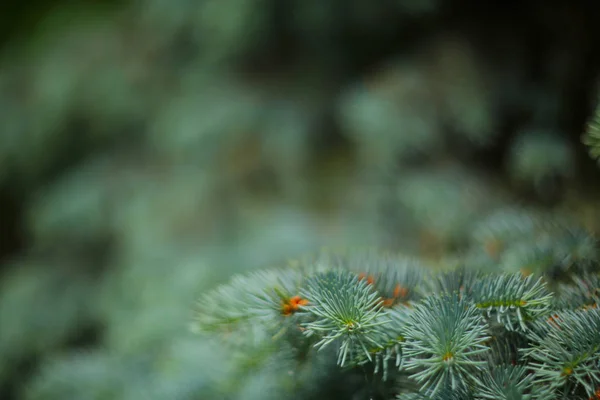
(388, 302)
(552, 319)
(286, 309)
(400, 291)
(291, 305)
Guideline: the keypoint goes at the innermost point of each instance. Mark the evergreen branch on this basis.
(446, 393)
(346, 309)
(534, 243)
(505, 382)
(512, 299)
(277, 295)
(444, 338)
(505, 348)
(458, 280)
(252, 308)
(475, 335)
(228, 304)
(582, 292)
(502, 229)
(395, 278)
(589, 285)
(576, 249)
(391, 339)
(527, 257)
(548, 393)
(566, 350)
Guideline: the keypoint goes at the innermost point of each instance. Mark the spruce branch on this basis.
(576, 249)
(346, 310)
(566, 351)
(534, 243)
(458, 280)
(444, 338)
(450, 334)
(527, 257)
(253, 308)
(446, 393)
(505, 348)
(505, 382)
(513, 300)
(395, 278)
(503, 228)
(391, 339)
(235, 302)
(582, 292)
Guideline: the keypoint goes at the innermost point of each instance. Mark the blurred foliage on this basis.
(149, 149)
(592, 134)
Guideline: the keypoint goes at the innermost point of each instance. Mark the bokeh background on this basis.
(150, 149)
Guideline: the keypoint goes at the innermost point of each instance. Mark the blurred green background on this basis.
(149, 149)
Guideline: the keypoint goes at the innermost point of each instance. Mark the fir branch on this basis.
(458, 280)
(444, 338)
(576, 249)
(548, 393)
(346, 309)
(534, 243)
(395, 278)
(566, 351)
(512, 299)
(504, 228)
(505, 348)
(235, 302)
(444, 346)
(252, 308)
(446, 393)
(582, 292)
(391, 339)
(527, 257)
(505, 382)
